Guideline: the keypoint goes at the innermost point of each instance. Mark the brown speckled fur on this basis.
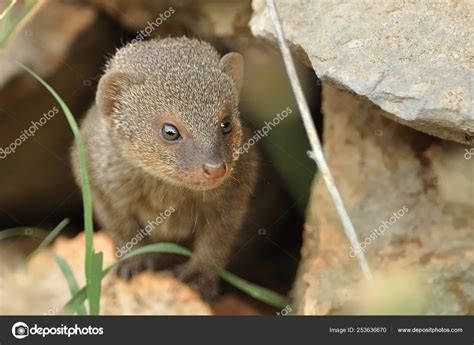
(134, 176)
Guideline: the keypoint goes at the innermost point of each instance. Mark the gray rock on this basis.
(146, 294)
(423, 255)
(414, 59)
(42, 43)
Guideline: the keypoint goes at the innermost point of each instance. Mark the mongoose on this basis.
(161, 135)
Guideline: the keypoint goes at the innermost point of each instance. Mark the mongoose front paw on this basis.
(200, 279)
(131, 267)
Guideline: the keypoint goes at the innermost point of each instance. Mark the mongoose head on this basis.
(172, 108)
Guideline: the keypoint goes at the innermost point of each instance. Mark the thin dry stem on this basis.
(317, 153)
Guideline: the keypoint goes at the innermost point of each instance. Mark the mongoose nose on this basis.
(213, 171)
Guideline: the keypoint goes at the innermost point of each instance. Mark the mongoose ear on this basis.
(233, 65)
(110, 87)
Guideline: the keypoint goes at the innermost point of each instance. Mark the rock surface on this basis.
(41, 43)
(206, 19)
(423, 257)
(68, 52)
(42, 289)
(414, 59)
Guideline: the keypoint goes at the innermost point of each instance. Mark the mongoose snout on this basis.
(214, 171)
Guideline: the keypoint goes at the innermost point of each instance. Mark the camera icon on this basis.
(20, 330)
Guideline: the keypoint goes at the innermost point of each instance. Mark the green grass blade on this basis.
(95, 279)
(71, 280)
(5, 22)
(51, 236)
(262, 294)
(44, 235)
(76, 301)
(9, 23)
(86, 195)
(168, 248)
(257, 292)
(48, 239)
(23, 231)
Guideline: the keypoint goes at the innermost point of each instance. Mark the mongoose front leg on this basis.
(214, 244)
(124, 230)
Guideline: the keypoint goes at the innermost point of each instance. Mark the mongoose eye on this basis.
(226, 126)
(170, 132)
